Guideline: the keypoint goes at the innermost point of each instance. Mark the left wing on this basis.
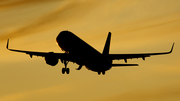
(130, 56)
(62, 56)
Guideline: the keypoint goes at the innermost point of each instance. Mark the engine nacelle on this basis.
(51, 59)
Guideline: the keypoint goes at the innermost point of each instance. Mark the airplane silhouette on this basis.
(81, 53)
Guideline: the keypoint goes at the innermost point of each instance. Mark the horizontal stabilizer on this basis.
(124, 65)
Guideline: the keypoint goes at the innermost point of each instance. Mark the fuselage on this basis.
(82, 52)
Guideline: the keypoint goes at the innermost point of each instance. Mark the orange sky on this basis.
(137, 26)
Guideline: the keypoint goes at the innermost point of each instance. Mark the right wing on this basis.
(130, 56)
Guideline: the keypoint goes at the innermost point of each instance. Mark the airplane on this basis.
(79, 52)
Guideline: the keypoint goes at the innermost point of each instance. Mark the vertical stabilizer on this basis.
(107, 45)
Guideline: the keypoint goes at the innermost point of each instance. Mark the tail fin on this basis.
(107, 45)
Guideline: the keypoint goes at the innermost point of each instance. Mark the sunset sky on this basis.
(137, 26)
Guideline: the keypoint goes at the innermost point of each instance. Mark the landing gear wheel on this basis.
(99, 73)
(103, 72)
(67, 70)
(63, 70)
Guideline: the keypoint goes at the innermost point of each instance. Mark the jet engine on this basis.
(51, 59)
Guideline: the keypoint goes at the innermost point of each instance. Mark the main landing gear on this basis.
(103, 72)
(65, 69)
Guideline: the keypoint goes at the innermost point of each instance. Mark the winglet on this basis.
(7, 43)
(172, 48)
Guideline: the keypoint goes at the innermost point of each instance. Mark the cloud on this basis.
(8, 4)
(158, 94)
(40, 92)
(61, 15)
(89, 15)
(128, 22)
